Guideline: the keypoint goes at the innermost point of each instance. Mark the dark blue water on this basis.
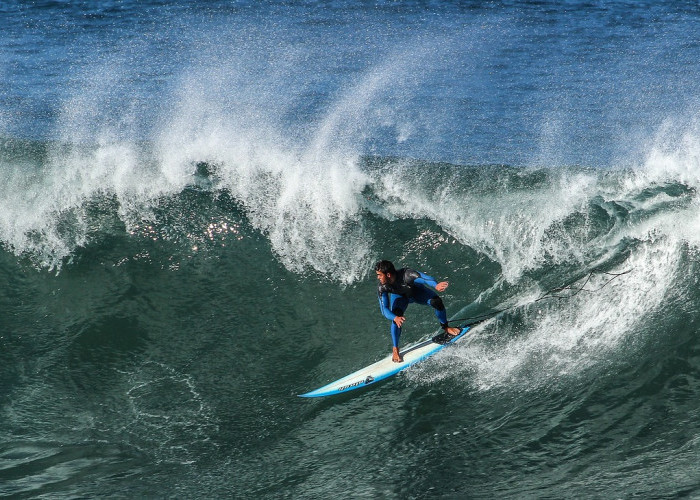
(193, 195)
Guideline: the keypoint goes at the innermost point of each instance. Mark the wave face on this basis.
(192, 198)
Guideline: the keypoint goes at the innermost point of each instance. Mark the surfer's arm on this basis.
(385, 307)
(424, 279)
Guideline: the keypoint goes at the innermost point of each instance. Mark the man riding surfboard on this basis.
(399, 288)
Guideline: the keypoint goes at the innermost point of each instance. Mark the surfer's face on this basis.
(384, 278)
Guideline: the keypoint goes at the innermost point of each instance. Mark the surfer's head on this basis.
(385, 271)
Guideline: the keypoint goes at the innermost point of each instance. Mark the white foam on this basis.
(300, 183)
(304, 199)
(516, 228)
(561, 339)
(672, 155)
(564, 338)
(299, 191)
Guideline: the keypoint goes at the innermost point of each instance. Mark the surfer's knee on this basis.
(436, 302)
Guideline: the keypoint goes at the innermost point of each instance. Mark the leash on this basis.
(553, 293)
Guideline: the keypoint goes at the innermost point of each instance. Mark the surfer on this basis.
(399, 288)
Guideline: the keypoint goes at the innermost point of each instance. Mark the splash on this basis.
(299, 181)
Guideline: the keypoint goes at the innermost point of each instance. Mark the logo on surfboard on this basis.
(366, 381)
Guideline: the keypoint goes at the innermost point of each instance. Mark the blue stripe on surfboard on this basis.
(337, 386)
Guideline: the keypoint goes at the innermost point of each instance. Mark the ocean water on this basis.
(193, 194)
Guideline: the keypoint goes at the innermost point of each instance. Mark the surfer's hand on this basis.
(399, 320)
(440, 287)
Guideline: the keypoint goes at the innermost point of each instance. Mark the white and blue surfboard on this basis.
(385, 368)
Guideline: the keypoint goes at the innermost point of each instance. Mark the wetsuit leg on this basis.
(398, 306)
(426, 296)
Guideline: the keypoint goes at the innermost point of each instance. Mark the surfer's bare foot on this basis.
(452, 331)
(396, 356)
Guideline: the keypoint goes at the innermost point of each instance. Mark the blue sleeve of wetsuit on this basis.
(385, 307)
(425, 280)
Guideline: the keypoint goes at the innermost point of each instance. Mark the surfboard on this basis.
(385, 368)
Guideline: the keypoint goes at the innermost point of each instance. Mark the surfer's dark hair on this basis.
(385, 266)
